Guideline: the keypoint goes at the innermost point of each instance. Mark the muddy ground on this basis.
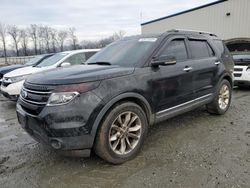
(192, 150)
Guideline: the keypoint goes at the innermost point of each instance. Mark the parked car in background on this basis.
(12, 82)
(32, 62)
(242, 69)
(135, 82)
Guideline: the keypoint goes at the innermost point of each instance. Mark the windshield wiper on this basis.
(100, 63)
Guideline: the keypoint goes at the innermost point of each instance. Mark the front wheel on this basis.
(122, 133)
(222, 99)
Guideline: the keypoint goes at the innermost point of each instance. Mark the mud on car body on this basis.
(108, 105)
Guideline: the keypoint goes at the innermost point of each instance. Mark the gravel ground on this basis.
(192, 150)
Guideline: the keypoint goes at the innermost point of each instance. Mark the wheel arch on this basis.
(228, 78)
(131, 97)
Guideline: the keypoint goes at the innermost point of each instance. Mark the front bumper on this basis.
(10, 97)
(242, 83)
(12, 91)
(241, 76)
(64, 128)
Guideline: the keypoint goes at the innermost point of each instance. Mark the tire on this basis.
(109, 145)
(217, 106)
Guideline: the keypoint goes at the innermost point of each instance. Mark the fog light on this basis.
(55, 144)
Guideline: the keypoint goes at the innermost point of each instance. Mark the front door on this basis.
(173, 84)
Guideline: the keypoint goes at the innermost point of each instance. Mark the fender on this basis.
(115, 100)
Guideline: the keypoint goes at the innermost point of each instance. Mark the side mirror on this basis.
(163, 61)
(65, 64)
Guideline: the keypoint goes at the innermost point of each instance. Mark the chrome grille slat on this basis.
(238, 69)
(37, 92)
(33, 98)
(32, 102)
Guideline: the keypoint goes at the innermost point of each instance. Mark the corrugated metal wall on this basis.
(212, 19)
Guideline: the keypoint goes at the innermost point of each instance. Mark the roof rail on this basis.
(199, 32)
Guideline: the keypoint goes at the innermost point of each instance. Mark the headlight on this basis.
(61, 98)
(18, 78)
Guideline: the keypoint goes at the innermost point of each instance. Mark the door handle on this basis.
(187, 69)
(217, 63)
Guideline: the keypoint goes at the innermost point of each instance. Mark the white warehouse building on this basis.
(228, 19)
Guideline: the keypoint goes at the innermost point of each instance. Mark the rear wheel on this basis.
(122, 133)
(222, 99)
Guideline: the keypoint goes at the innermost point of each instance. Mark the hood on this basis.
(79, 74)
(24, 71)
(6, 69)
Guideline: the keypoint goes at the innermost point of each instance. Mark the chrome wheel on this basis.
(224, 97)
(125, 133)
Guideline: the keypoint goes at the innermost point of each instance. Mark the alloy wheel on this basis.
(125, 133)
(224, 97)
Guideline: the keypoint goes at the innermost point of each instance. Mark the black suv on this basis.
(135, 82)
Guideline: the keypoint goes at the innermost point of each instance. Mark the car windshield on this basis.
(52, 60)
(34, 60)
(245, 57)
(125, 53)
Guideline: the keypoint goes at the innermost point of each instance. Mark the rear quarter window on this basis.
(221, 47)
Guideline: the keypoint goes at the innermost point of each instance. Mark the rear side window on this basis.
(200, 49)
(76, 59)
(176, 48)
(89, 54)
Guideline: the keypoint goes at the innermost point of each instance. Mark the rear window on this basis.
(200, 49)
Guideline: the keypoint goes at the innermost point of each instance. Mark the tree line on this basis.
(40, 39)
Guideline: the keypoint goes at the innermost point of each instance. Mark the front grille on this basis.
(238, 69)
(33, 98)
(237, 75)
(5, 84)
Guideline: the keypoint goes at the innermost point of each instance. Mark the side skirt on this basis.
(182, 108)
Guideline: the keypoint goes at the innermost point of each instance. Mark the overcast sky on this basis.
(93, 19)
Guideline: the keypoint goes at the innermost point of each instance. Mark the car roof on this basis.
(174, 31)
(79, 51)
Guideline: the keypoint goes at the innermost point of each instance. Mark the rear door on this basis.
(173, 84)
(205, 66)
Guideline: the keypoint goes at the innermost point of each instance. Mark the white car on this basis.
(12, 82)
(242, 70)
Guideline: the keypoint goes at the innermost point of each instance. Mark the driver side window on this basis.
(76, 59)
(176, 48)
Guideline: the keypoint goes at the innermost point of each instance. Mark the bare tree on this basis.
(61, 37)
(3, 32)
(34, 36)
(41, 42)
(24, 39)
(103, 42)
(46, 31)
(53, 34)
(14, 32)
(73, 37)
(119, 35)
